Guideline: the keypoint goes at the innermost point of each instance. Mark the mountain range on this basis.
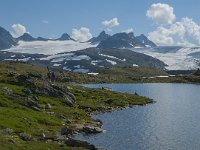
(65, 52)
(104, 40)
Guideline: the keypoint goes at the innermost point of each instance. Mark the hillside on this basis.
(36, 114)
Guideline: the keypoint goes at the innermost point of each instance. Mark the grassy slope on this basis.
(128, 75)
(15, 115)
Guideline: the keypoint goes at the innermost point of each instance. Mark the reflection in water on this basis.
(171, 123)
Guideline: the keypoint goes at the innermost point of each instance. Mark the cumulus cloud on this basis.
(111, 23)
(18, 30)
(161, 13)
(184, 33)
(83, 34)
(128, 30)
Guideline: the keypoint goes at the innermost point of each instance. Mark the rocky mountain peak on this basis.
(102, 36)
(6, 39)
(26, 37)
(64, 37)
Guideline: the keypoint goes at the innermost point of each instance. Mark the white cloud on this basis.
(161, 13)
(18, 30)
(83, 34)
(183, 33)
(128, 30)
(111, 23)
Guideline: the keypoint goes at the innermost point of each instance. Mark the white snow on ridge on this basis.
(112, 62)
(135, 65)
(48, 47)
(23, 59)
(68, 56)
(112, 57)
(80, 57)
(57, 57)
(56, 65)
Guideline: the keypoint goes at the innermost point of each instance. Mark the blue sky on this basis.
(50, 18)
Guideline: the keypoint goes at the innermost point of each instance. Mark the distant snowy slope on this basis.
(176, 58)
(48, 47)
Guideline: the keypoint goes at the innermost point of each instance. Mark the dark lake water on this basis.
(172, 123)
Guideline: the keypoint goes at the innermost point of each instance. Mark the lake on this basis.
(172, 123)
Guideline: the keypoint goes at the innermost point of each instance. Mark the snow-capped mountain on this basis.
(28, 48)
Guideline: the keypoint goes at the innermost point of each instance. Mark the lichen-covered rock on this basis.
(66, 131)
(25, 136)
(7, 90)
(7, 131)
(32, 104)
(48, 106)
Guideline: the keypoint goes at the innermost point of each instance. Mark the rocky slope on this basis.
(92, 59)
(6, 39)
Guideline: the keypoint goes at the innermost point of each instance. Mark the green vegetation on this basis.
(129, 75)
(31, 107)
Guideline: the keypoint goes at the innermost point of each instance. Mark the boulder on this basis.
(32, 104)
(42, 136)
(25, 136)
(7, 131)
(78, 143)
(60, 138)
(48, 106)
(92, 130)
(11, 140)
(66, 131)
(7, 90)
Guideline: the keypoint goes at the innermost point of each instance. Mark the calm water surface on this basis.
(173, 123)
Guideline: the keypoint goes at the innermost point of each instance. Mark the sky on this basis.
(174, 22)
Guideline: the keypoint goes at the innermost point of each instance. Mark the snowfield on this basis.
(176, 60)
(49, 47)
